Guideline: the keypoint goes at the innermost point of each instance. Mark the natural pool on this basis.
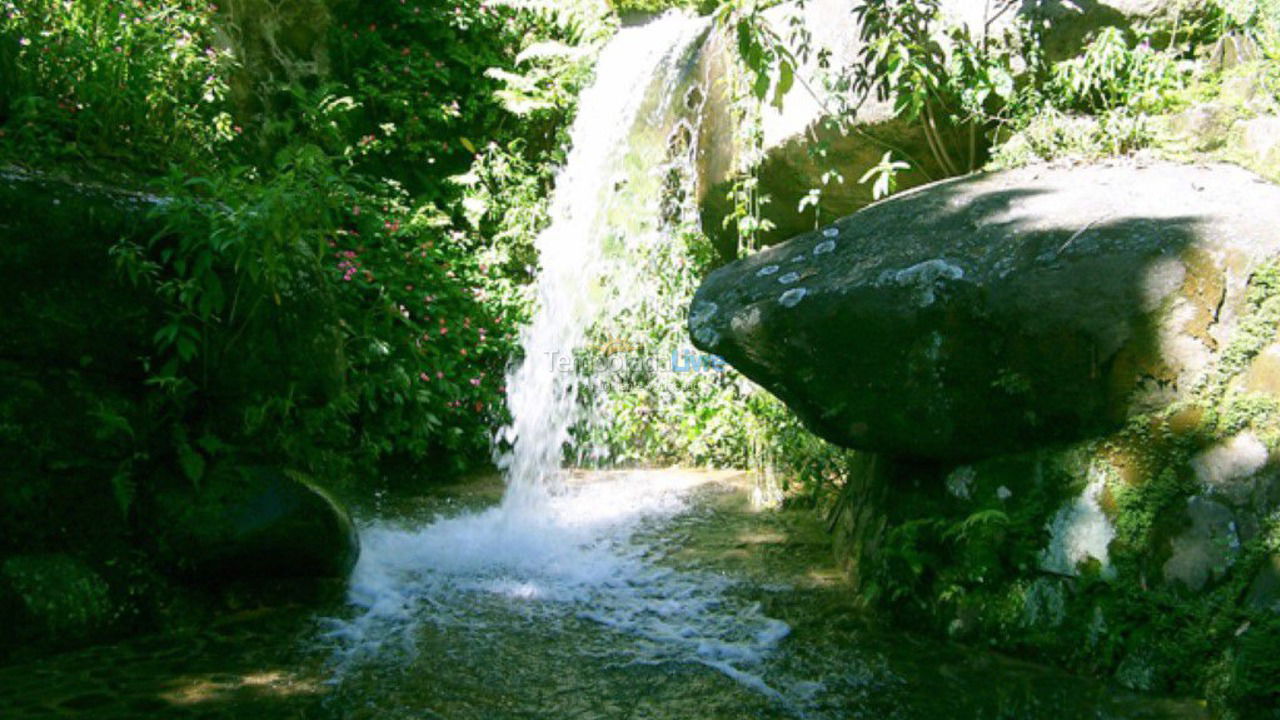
(655, 594)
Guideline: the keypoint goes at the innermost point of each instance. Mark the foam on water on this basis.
(582, 558)
(551, 552)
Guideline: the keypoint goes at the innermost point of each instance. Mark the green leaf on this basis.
(786, 78)
(125, 489)
(191, 462)
(1001, 83)
(211, 444)
(186, 349)
(213, 298)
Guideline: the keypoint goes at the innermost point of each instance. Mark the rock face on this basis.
(1068, 380)
(791, 134)
(997, 313)
(254, 522)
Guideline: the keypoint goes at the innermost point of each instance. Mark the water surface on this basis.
(674, 598)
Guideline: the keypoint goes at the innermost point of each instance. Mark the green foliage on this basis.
(1257, 328)
(1257, 19)
(1245, 682)
(649, 7)
(1110, 74)
(340, 266)
(113, 82)
(1142, 509)
(765, 55)
(61, 599)
(885, 174)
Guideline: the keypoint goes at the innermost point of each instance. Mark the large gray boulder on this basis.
(995, 313)
(253, 522)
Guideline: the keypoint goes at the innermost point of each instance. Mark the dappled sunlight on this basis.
(228, 687)
(581, 359)
(761, 538)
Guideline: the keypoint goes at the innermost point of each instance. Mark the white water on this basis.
(553, 551)
(543, 389)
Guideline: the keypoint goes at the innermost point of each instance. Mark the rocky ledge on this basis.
(999, 312)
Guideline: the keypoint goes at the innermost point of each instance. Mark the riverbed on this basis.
(647, 594)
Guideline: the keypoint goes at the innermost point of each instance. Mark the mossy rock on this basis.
(52, 598)
(1003, 312)
(253, 522)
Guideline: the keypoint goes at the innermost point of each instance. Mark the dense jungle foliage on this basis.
(321, 212)
(379, 171)
(342, 198)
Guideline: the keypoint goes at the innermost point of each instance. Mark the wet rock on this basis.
(254, 522)
(1000, 312)
(1264, 592)
(1228, 466)
(1207, 549)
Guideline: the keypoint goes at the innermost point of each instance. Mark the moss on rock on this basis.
(53, 598)
(1189, 500)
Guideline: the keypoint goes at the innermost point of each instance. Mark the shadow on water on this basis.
(250, 665)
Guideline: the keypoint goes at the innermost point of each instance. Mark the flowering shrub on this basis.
(114, 81)
(341, 267)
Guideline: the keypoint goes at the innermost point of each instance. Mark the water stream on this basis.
(569, 550)
(660, 595)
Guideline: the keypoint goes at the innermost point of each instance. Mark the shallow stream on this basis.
(657, 594)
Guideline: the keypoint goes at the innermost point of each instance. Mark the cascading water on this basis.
(639, 64)
(555, 552)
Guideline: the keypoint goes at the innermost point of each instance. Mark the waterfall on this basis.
(637, 71)
(563, 554)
